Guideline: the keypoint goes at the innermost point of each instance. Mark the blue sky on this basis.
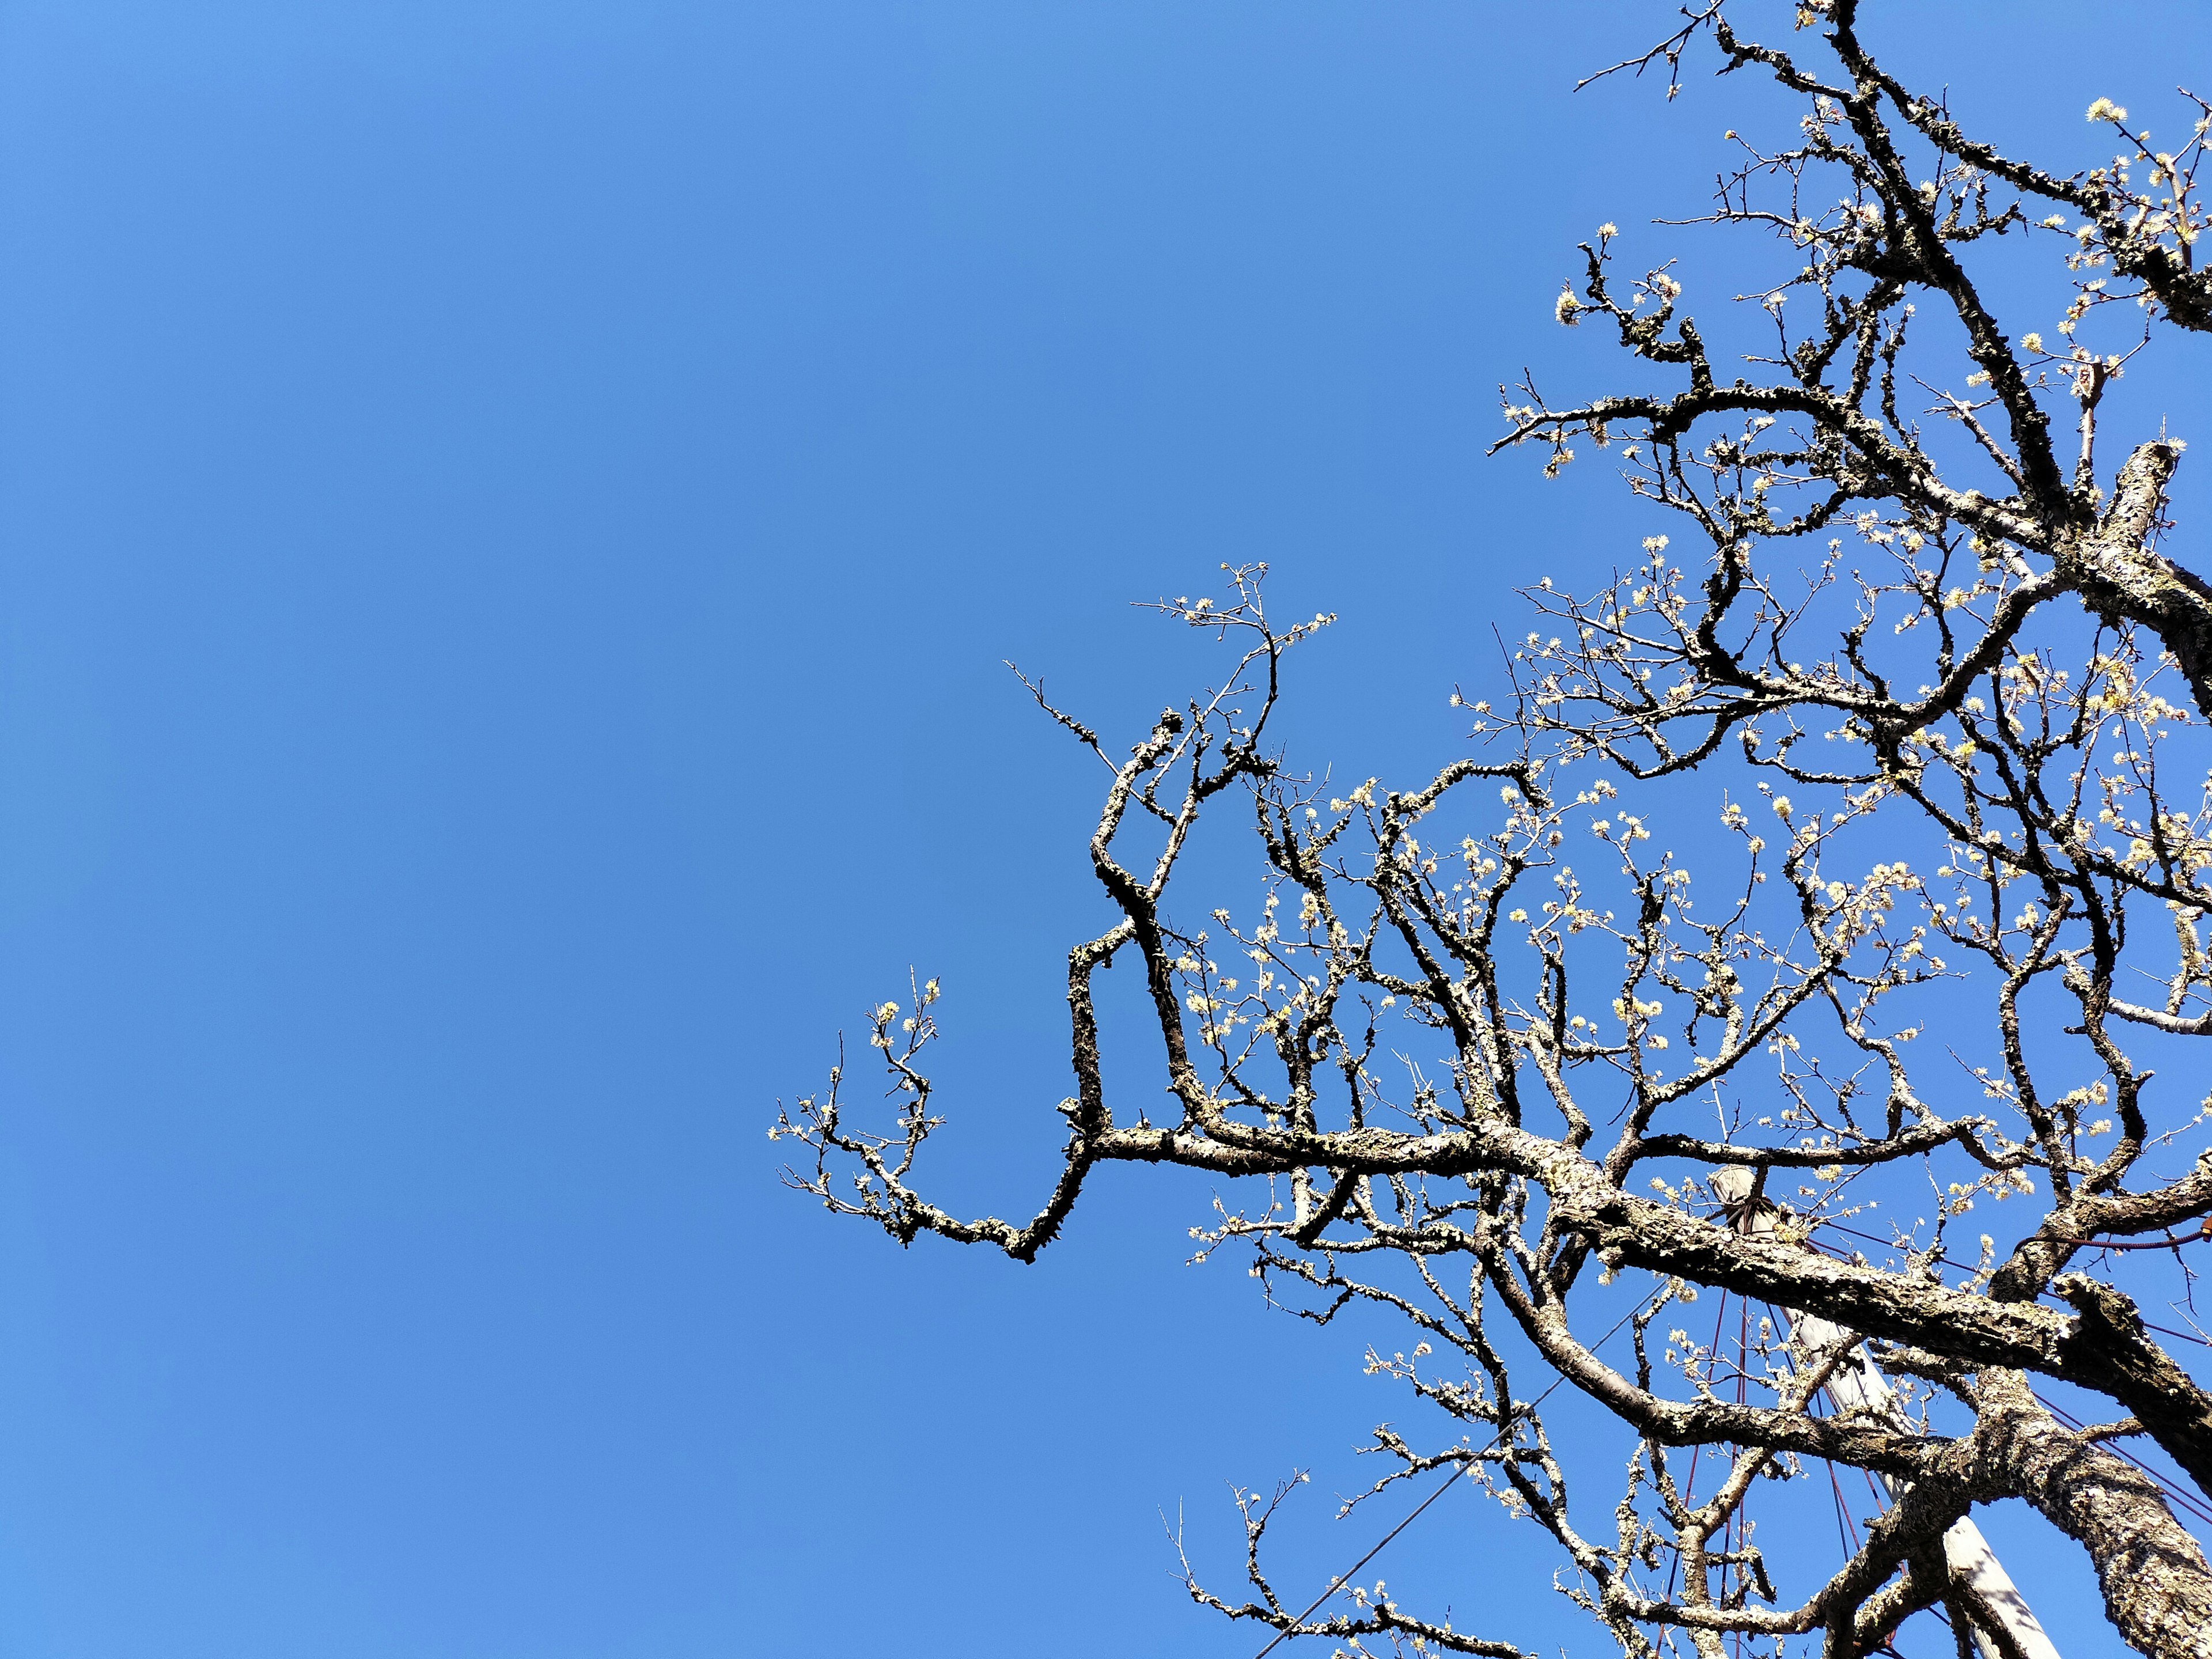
(510, 519)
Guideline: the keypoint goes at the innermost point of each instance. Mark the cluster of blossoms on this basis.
(1478, 1053)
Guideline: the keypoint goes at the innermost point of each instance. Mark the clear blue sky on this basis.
(510, 515)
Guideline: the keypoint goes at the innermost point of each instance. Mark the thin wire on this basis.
(1886, 1244)
(1734, 1530)
(2194, 1506)
(1345, 1578)
(1690, 1484)
(1847, 1529)
(2163, 1330)
(2169, 1242)
(2079, 1243)
(2186, 1336)
(1882, 1504)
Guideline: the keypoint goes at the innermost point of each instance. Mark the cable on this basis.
(2194, 1507)
(2082, 1244)
(1690, 1481)
(2186, 1336)
(1345, 1578)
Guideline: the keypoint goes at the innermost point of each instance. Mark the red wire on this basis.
(2178, 1498)
(1735, 1531)
(1690, 1483)
(1847, 1529)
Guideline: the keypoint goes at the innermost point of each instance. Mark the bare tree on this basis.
(1935, 679)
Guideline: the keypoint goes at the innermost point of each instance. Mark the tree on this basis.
(1942, 690)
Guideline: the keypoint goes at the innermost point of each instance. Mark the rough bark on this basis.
(2157, 1587)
